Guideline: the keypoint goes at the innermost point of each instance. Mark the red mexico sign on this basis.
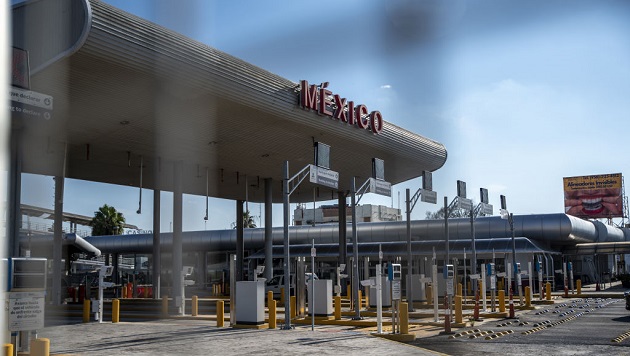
(324, 102)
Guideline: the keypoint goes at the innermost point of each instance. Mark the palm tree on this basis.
(248, 221)
(107, 221)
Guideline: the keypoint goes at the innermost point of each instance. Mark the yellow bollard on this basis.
(528, 297)
(360, 301)
(8, 350)
(337, 307)
(146, 291)
(429, 294)
(115, 310)
(367, 299)
(349, 292)
(293, 307)
(548, 289)
(460, 289)
(501, 301)
(86, 311)
(578, 284)
(458, 309)
(165, 305)
(220, 312)
(272, 313)
(269, 298)
(282, 296)
(124, 291)
(40, 347)
(195, 306)
(404, 318)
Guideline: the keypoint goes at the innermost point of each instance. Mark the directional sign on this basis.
(323, 176)
(380, 187)
(428, 196)
(464, 203)
(31, 104)
(487, 209)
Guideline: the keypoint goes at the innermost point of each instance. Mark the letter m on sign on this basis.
(308, 95)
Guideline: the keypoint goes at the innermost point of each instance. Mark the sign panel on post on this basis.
(323, 176)
(464, 203)
(396, 295)
(30, 103)
(487, 209)
(26, 311)
(380, 187)
(428, 196)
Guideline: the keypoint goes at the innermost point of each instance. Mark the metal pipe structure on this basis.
(556, 229)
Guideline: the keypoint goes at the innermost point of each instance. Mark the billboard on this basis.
(592, 197)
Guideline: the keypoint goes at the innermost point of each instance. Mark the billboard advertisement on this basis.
(592, 197)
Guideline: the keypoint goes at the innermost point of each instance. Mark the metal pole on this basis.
(513, 247)
(287, 269)
(474, 248)
(355, 254)
(446, 260)
(311, 302)
(409, 288)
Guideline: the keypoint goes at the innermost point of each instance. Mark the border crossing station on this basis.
(105, 96)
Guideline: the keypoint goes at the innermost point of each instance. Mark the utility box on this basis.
(322, 305)
(386, 290)
(250, 303)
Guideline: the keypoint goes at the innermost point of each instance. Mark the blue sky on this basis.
(521, 93)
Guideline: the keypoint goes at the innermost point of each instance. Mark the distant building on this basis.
(327, 214)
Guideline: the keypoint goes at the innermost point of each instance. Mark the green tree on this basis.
(455, 213)
(107, 221)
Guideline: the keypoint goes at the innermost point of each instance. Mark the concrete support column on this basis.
(177, 230)
(268, 229)
(157, 250)
(239, 240)
(57, 241)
